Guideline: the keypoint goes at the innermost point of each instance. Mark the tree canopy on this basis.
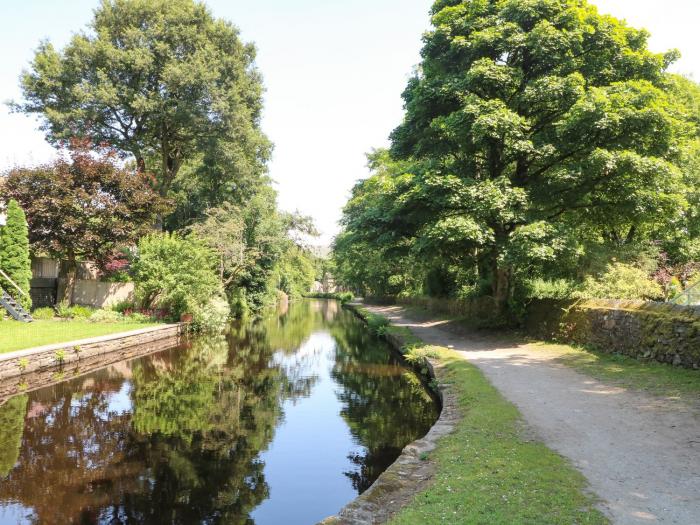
(529, 126)
(165, 82)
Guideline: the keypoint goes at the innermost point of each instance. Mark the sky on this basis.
(333, 70)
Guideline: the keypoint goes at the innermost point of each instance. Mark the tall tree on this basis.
(163, 81)
(14, 254)
(527, 112)
(84, 207)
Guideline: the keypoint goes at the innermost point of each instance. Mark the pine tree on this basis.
(14, 253)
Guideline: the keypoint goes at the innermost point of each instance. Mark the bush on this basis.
(620, 281)
(138, 317)
(175, 273)
(42, 314)
(212, 317)
(549, 289)
(80, 312)
(123, 306)
(106, 316)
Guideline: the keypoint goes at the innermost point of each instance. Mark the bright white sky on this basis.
(334, 72)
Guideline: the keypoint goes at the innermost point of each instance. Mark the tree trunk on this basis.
(501, 273)
(501, 288)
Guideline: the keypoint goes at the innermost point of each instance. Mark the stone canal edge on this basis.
(26, 370)
(411, 473)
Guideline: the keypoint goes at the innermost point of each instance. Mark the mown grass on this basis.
(647, 376)
(489, 471)
(19, 336)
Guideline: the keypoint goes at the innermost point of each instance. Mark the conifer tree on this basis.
(14, 253)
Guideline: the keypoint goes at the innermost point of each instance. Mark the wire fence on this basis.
(690, 297)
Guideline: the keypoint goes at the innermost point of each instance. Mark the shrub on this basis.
(63, 310)
(73, 312)
(138, 317)
(123, 306)
(106, 316)
(212, 317)
(175, 273)
(80, 312)
(549, 289)
(620, 281)
(43, 314)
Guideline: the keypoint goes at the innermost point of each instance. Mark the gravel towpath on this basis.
(640, 454)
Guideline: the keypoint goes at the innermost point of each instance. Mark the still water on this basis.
(282, 422)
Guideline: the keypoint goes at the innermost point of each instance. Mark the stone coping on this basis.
(411, 472)
(17, 354)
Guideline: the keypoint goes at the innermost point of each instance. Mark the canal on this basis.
(282, 421)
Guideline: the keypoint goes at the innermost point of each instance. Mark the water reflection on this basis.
(284, 421)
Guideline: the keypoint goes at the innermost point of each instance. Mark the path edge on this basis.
(411, 473)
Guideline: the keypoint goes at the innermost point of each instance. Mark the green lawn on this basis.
(19, 336)
(489, 471)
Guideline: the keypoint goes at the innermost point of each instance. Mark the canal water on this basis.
(282, 422)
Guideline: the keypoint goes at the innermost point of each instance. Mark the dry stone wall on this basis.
(656, 331)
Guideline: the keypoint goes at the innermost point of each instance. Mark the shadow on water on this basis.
(283, 421)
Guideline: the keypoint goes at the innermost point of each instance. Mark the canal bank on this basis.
(492, 468)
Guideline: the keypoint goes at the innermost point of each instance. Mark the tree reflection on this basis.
(11, 426)
(176, 437)
(386, 405)
(187, 454)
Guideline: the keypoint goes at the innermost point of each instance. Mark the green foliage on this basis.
(620, 281)
(64, 311)
(539, 288)
(109, 316)
(296, 271)
(538, 143)
(43, 313)
(212, 316)
(167, 83)
(14, 254)
(175, 273)
(81, 312)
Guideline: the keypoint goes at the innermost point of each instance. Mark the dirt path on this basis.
(640, 454)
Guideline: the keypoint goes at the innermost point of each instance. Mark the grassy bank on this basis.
(654, 378)
(489, 471)
(19, 336)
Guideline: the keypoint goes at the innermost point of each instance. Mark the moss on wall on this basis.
(659, 331)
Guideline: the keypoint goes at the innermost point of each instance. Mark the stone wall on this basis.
(658, 331)
(54, 357)
(48, 376)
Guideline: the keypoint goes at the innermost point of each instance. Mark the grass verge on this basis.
(489, 471)
(648, 376)
(20, 336)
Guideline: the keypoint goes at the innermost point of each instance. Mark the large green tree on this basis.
(165, 82)
(527, 113)
(15, 261)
